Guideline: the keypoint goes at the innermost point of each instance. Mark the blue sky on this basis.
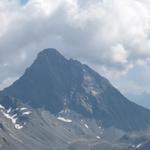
(23, 2)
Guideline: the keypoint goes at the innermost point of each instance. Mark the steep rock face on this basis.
(55, 83)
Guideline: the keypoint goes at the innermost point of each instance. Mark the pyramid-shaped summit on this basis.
(49, 52)
(56, 83)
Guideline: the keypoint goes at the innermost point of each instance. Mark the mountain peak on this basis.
(50, 52)
(49, 57)
(56, 84)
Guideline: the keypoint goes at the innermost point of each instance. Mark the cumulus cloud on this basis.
(110, 35)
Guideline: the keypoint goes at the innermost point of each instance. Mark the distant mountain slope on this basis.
(141, 99)
(56, 84)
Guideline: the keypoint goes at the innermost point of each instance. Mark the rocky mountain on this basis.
(55, 83)
(61, 104)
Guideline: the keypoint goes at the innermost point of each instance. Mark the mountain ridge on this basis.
(55, 84)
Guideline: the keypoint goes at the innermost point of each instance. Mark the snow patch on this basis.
(86, 126)
(2, 107)
(94, 93)
(9, 110)
(23, 108)
(64, 120)
(17, 126)
(26, 113)
(139, 145)
(14, 116)
(13, 119)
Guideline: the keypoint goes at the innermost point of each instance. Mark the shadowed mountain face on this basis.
(55, 83)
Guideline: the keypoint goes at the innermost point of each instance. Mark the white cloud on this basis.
(119, 54)
(113, 36)
(43, 7)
